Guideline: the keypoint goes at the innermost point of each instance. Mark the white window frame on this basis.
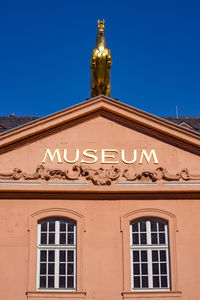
(149, 248)
(56, 247)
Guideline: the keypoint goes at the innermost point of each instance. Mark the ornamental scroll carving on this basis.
(99, 176)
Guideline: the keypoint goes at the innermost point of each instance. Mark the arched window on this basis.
(149, 254)
(56, 254)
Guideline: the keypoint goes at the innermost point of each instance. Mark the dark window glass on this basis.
(44, 226)
(50, 281)
(136, 282)
(70, 281)
(62, 226)
(70, 269)
(43, 269)
(43, 238)
(163, 281)
(155, 281)
(136, 256)
(144, 269)
(51, 238)
(163, 268)
(70, 227)
(50, 268)
(62, 269)
(51, 255)
(143, 255)
(135, 238)
(62, 255)
(51, 226)
(62, 238)
(136, 269)
(154, 239)
(62, 282)
(135, 227)
(43, 255)
(161, 227)
(161, 238)
(143, 238)
(155, 269)
(154, 255)
(143, 226)
(70, 255)
(144, 281)
(153, 226)
(70, 238)
(42, 281)
(162, 255)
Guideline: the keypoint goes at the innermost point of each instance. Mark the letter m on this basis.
(51, 156)
(148, 157)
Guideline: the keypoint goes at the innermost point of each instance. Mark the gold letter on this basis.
(56, 152)
(153, 153)
(85, 152)
(108, 156)
(134, 157)
(71, 161)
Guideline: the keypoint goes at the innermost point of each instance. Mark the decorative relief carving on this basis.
(99, 176)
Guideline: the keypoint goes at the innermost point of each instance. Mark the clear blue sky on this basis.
(45, 48)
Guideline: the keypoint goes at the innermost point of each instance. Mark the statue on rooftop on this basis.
(100, 65)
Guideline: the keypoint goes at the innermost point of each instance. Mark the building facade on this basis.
(99, 201)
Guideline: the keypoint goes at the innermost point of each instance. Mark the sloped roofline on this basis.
(91, 105)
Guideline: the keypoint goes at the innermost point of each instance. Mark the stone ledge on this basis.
(64, 295)
(152, 295)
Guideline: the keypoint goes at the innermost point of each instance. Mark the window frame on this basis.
(32, 228)
(56, 247)
(149, 247)
(126, 262)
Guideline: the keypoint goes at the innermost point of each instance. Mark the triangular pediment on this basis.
(101, 140)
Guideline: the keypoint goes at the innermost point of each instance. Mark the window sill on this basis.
(46, 295)
(151, 295)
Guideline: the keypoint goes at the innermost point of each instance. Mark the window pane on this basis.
(164, 281)
(135, 256)
(62, 255)
(162, 255)
(136, 282)
(70, 281)
(155, 269)
(50, 268)
(52, 226)
(42, 281)
(70, 255)
(44, 226)
(161, 227)
(70, 238)
(50, 281)
(43, 238)
(135, 227)
(51, 238)
(135, 238)
(153, 226)
(51, 255)
(163, 268)
(154, 255)
(62, 226)
(155, 281)
(144, 281)
(154, 239)
(161, 238)
(43, 255)
(70, 269)
(144, 269)
(136, 269)
(43, 269)
(62, 269)
(143, 256)
(143, 226)
(63, 238)
(62, 282)
(143, 238)
(70, 227)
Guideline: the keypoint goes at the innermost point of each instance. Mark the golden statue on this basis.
(100, 65)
